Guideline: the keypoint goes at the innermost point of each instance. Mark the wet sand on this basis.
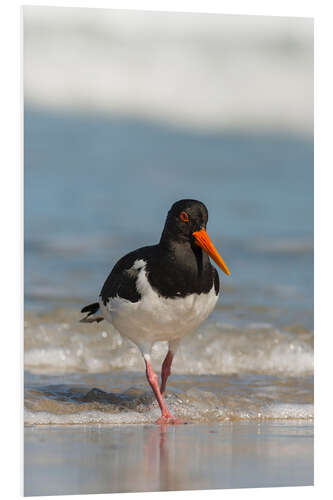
(127, 458)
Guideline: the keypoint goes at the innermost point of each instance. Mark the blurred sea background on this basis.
(125, 113)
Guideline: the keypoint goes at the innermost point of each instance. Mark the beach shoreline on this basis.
(83, 459)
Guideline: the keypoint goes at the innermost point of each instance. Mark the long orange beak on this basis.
(203, 240)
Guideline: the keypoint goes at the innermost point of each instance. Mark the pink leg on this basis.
(166, 417)
(166, 371)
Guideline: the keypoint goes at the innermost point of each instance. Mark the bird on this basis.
(163, 292)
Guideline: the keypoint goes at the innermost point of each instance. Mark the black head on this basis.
(183, 219)
(186, 224)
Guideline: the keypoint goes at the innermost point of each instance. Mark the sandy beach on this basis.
(108, 459)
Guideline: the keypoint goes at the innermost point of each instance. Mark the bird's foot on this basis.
(168, 419)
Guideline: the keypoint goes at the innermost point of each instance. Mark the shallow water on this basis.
(125, 398)
(90, 198)
(109, 459)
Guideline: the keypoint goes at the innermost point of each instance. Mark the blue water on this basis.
(97, 187)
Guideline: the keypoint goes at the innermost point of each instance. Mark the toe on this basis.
(170, 420)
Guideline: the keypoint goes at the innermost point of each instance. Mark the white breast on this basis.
(154, 317)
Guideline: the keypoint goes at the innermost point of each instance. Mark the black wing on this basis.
(122, 279)
(216, 281)
(91, 316)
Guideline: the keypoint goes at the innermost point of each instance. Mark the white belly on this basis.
(156, 318)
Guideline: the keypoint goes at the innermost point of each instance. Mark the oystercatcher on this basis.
(164, 291)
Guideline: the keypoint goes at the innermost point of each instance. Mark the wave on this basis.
(76, 374)
(188, 69)
(229, 400)
(55, 342)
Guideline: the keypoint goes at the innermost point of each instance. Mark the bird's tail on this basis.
(92, 310)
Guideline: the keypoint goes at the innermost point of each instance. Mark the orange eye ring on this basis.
(184, 217)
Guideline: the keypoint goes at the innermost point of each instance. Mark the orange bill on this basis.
(203, 240)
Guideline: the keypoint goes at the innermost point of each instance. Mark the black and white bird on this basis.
(163, 291)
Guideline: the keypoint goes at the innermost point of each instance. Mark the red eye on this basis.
(183, 216)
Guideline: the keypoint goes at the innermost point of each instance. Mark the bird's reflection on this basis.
(158, 448)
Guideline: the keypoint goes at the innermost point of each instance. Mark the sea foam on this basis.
(55, 345)
(188, 69)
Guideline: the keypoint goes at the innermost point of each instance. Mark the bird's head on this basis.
(186, 222)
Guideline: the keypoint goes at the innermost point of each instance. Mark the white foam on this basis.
(58, 346)
(57, 357)
(187, 69)
(289, 411)
(220, 349)
(200, 409)
(88, 417)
